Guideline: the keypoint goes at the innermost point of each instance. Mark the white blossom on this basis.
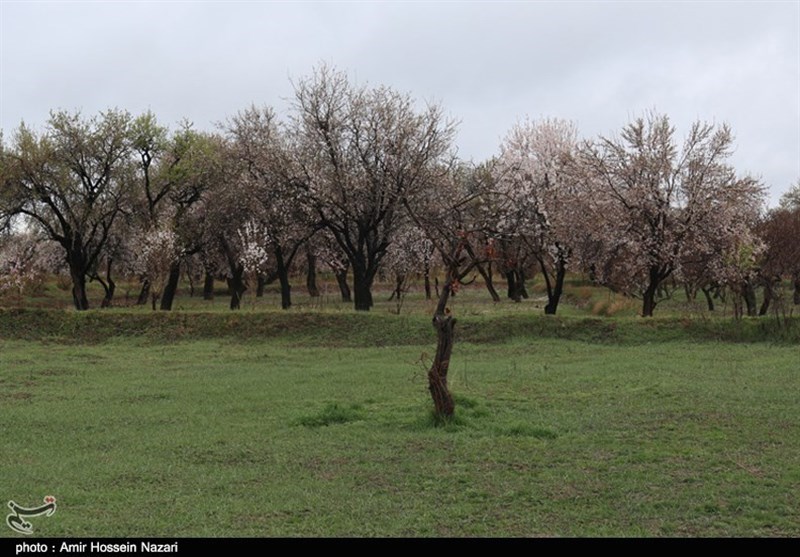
(253, 255)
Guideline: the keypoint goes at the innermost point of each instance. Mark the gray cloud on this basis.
(598, 63)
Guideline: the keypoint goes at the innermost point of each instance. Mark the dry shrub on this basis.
(582, 293)
(536, 287)
(63, 282)
(618, 306)
(600, 307)
(581, 296)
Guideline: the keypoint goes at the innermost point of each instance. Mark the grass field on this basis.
(317, 421)
(306, 424)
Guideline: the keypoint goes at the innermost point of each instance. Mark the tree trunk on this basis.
(649, 298)
(444, 323)
(237, 287)
(171, 287)
(737, 305)
(362, 296)
(109, 287)
(109, 297)
(261, 284)
(144, 293)
(103, 304)
(796, 294)
(488, 280)
(767, 298)
(344, 288)
(286, 291)
(749, 294)
(283, 278)
(262, 280)
(208, 287)
(311, 274)
(362, 289)
(78, 274)
(399, 289)
(709, 299)
(648, 303)
(516, 285)
(558, 288)
(523, 292)
(427, 277)
(511, 281)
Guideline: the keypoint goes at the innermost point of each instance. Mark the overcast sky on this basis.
(597, 63)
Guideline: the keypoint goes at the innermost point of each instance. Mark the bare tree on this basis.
(363, 151)
(449, 221)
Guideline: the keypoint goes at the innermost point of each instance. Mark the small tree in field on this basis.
(448, 220)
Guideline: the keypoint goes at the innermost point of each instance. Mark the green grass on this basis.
(310, 431)
(307, 327)
(317, 421)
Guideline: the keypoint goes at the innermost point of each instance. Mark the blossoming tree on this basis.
(541, 215)
(655, 203)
